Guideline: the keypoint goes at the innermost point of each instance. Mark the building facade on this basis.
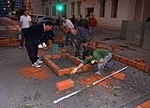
(109, 13)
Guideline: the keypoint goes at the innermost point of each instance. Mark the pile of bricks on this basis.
(35, 73)
(120, 76)
(9, 42)
(91, 79)
(133, 63)
(58, 70)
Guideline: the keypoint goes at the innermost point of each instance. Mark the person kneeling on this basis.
(99, 56)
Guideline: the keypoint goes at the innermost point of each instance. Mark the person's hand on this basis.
(44, 44)
(74, 71)
(40, 46)
(19, 29)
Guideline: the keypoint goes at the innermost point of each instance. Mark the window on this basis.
(72, 8)
(114, 8)
(102, 8)
(78, 7)
(54, 10)
(47, 11)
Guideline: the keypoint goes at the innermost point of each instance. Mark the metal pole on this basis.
(88, 86)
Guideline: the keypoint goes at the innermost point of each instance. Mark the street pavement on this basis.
(19, 90)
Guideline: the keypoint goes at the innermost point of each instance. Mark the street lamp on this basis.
(59, 6)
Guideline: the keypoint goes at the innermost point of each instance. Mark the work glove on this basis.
(40, 46)
(93, 61)
(44, 44)
(74, 71)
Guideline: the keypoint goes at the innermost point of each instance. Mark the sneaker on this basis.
(36, 65)
(98, 73)
(20, 47)
(39, 61)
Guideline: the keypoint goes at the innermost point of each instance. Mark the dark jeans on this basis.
(23, 34)
(106, 60)
(69, 39)
(32, 50)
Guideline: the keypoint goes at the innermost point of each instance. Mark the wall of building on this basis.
(37, 7)
(126, 11)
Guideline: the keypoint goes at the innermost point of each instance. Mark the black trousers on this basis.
(23, 34)
(78, 47)
(32, 50)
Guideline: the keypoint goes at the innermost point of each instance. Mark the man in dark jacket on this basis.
(36, 38)
(82, 35)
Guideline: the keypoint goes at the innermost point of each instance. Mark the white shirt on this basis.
(68, 24)
(25, 20)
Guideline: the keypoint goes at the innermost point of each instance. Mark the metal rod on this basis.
(88, 86)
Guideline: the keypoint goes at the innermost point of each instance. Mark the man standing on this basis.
(67, 25)
(92, 24)
(34, 40)
(79, 21)
(25, 22)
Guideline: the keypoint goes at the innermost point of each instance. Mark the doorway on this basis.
(89, 10)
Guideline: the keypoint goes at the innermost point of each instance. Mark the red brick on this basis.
(76, 61)
(50, 44)
(98, 45)
(141, 66)
(80, 70)
(146, 104)
(139, 106)
(66, 55)
(64, 71)
(84, 68)
(123, 59)
(64, 50)
(47, 56)
(103, 83)
(140, 60)
(4, 42)
(57, 56)
(88, 66)
(116, 57)
(131, 62)
(119, 76)
(113, 47)
(65, 84)
(92, 43)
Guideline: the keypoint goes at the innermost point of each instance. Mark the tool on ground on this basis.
(88, 86)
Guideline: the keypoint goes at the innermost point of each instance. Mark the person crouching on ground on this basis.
(33, 41)
(99, 56)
